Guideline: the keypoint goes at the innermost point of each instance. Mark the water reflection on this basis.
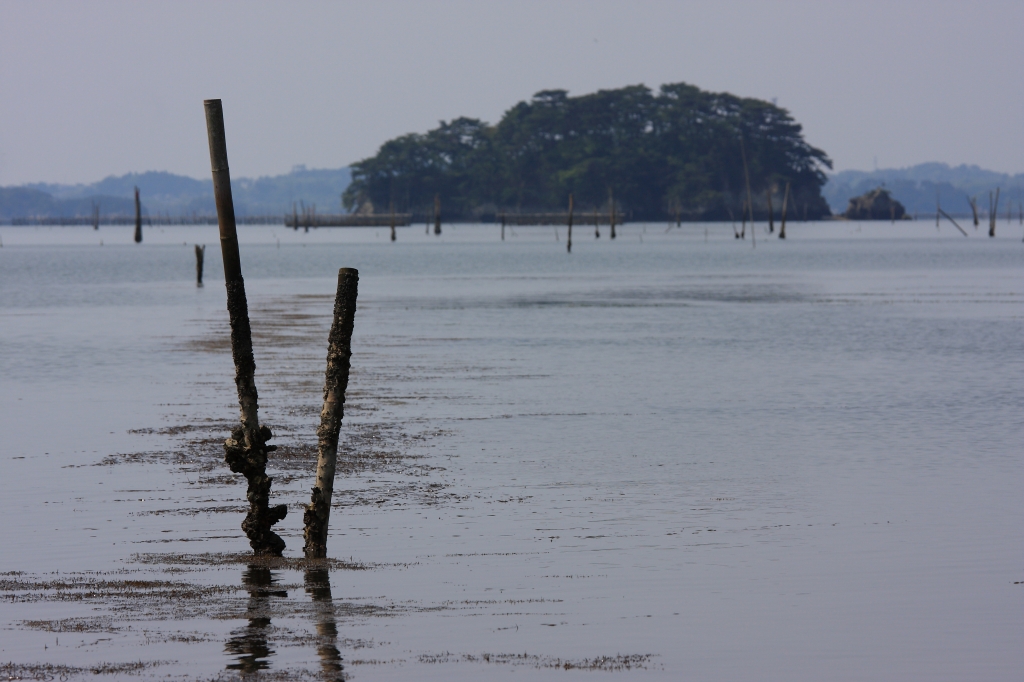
(318, 586)
(249, 644)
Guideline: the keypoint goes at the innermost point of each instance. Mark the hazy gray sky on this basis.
(89, 89)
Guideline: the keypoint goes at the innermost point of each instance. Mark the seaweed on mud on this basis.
(210, 559)
(616, 663)
(53, 671)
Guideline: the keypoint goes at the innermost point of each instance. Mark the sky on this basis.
(91, 89)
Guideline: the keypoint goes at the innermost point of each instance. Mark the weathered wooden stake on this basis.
(568, 239)
(339, 352)
(437, 214)
(393, 236)
(200, 254)
(611, 213)
(138, 218)
(955, 223)
(785, 204)
(973, 201)
(750, 197)
(993, 210)
(502, 226)
(771, 215)
(246, 451)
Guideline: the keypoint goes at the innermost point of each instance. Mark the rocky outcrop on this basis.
(877, 204)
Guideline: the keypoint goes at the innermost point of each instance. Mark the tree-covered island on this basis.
(678, 152)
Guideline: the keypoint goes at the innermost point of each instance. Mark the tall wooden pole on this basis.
(771, 216)
(339, 353)
(246, 451)
(568, 241)
(973, 201)
(393, 236)
(750, 197)
(785, 203)
(611, 213)
(138, 218)
(437, 214)
(200, 255)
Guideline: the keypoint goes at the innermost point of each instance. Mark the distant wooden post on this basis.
(200, 254)
(611, 213)
(339, 353)
(771, 216)
(393, 236)
(597, 226)
(437, 214)
(992, 213)
(502, 226)
(973, 201)
(138, 218)
(568, 239)
(246, 451)
(785, 204)
(750, 197)
(743, 222)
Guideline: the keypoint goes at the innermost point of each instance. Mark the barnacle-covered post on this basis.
(246, 451)
(339, 352)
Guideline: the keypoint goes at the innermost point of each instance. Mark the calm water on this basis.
(795, 462)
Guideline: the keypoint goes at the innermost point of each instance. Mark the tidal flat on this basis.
(668, 456)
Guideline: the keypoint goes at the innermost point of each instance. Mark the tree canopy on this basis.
(678, 151)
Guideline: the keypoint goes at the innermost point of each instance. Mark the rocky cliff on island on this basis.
(877, 204)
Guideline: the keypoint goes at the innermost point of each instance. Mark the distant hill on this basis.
(177, 195)
(916, 187)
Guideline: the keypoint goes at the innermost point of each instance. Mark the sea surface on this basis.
(675, 455)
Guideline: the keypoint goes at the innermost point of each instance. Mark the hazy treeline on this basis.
(917, 187)
(176, 195)
(678, 150)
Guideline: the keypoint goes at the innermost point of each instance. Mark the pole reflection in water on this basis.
(249, 644)
(318, 586)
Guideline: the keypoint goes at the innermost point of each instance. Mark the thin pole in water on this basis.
(750, 197)
(200, 254)
(339, 354)
(568, 239)
(246, 451)
(138, 218)
(437, 214)
(611, 213)
(785, 203)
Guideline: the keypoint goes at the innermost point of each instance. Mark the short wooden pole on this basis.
(138, 218)
(246, 451)
(992, 214)
(568, 239)
(200, 254)
(750, 197)
(339, 353)
(974, 209)
(611, 213)
(393, 236)
(785, 204)
(771, 214)
(437, 214)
